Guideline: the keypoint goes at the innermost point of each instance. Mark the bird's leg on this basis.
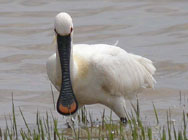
(71, 120)
(118, 105)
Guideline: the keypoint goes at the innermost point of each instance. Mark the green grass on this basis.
(48, 127)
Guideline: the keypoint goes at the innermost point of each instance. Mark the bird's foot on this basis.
(123, 120)
(70, 122)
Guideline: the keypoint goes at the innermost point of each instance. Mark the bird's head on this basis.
(63, 24)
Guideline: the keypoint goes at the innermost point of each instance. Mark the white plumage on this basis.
(104, 74)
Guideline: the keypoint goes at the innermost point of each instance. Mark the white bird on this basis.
(89, 74)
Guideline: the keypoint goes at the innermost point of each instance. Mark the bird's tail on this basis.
(149, 70)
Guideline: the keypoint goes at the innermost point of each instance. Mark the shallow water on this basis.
(156, 29)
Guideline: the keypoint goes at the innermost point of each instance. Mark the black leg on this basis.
(123, 120)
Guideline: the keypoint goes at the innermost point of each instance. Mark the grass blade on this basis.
(14, 118)
(156, 114)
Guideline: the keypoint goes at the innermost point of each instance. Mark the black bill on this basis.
(67, 103)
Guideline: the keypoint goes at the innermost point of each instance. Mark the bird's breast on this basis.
(82, 67)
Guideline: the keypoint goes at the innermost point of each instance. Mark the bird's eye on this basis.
(71, 30)
(55, 31)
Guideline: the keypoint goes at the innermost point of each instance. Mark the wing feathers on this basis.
(113, 68)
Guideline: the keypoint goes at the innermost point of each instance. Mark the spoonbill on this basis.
(89, 74)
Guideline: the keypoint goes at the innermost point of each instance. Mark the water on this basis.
(156, 29)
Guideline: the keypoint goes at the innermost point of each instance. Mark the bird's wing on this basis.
(118, 72)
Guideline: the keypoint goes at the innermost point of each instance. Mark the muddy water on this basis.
(155, 29)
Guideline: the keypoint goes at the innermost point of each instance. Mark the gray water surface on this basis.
(156, 29)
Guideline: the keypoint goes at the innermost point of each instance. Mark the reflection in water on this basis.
(155, 29)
